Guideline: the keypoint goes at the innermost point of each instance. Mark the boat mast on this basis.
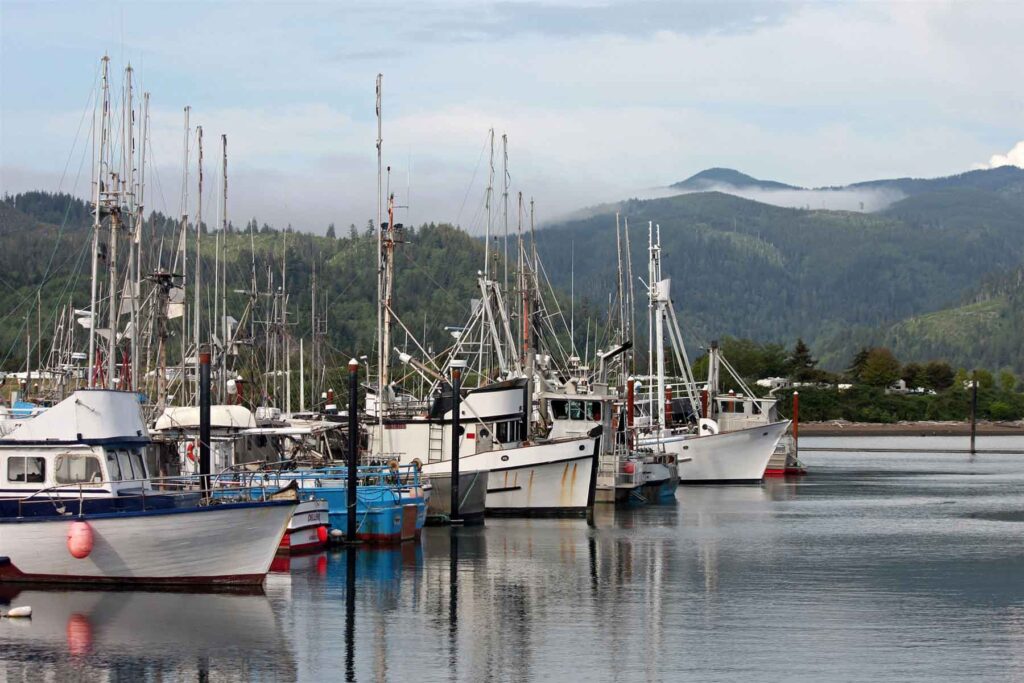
(504, 197)
(490, 191)
(101, 128)
(130, 189)
(224, 270)
(114, 198)
(631, 309)
(137, 238)
(199, 270)
(621, 292)
(184, 256)
(659, 297)
(382, 353)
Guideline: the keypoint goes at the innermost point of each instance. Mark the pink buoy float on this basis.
(80, 539)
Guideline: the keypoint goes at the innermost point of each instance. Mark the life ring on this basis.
(190, 451)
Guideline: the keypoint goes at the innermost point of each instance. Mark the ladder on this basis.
(435, 442)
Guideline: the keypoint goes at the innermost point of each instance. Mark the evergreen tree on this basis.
(802, 366)
(857, 365)
(330, 232)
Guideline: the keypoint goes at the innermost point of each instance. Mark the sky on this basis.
(600, 101)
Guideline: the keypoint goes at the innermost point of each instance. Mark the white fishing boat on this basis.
(680, 428)
(551, 477)
(79, 507)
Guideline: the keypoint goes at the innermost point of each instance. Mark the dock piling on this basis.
(353, 448)
(204, 419)
(456, 367)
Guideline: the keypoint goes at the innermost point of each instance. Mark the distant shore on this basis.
(843, 428)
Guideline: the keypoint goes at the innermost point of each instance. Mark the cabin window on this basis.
(26, 470)
(594, 409)
(138, 464)
(131, 467)
(71, 468)
(576, 410)
(113, 467)
(508, 432)
(560, 409)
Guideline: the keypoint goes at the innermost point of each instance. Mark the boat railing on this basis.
(151, 492)
(622, 470)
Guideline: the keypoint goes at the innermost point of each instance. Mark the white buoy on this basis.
(19, 613)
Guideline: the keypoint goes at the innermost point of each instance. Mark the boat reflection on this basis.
(143, 634)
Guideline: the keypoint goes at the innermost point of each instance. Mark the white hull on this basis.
(304, 527)
(728, 457)
(228, 544)
(549, 478)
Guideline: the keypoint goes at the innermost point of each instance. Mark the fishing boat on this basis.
(733, 411)
(674, 421)
(391, 504)
(524, 478)
(78, 506)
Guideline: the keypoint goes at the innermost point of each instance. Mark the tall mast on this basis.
(115, 197)
(382, 354)
(184, 256)
(199, 271)
(224, 269)
(128, 171)
(490, 192)
(631, 311)
(504, 196)
(97, 220)
(137, 239)
(621, 292)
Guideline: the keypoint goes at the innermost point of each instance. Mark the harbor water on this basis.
(876, 566)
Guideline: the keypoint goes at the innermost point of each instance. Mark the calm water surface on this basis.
(902, 567)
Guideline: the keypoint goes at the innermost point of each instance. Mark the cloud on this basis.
(843, 199)
(1015, 157)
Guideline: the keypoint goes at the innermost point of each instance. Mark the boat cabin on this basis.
(90, 443)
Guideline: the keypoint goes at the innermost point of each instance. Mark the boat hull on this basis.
(735, 457)
(223, 544)
(304, 533)
(550, 479)
(472, 492)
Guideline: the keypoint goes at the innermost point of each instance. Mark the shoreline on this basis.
(843, 428)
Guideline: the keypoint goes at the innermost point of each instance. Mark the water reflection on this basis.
(869, 566)
(139, 635)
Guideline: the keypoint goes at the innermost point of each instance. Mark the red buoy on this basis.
(629, 468)
(79, 539)
(321, 533)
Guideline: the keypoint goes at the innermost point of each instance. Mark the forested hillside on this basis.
(753, 270)
(436, 268)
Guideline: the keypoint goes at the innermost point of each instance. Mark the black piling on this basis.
(457, 366)
(353, 448)
(204, 419)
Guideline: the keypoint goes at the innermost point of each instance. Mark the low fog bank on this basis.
(844, 199)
